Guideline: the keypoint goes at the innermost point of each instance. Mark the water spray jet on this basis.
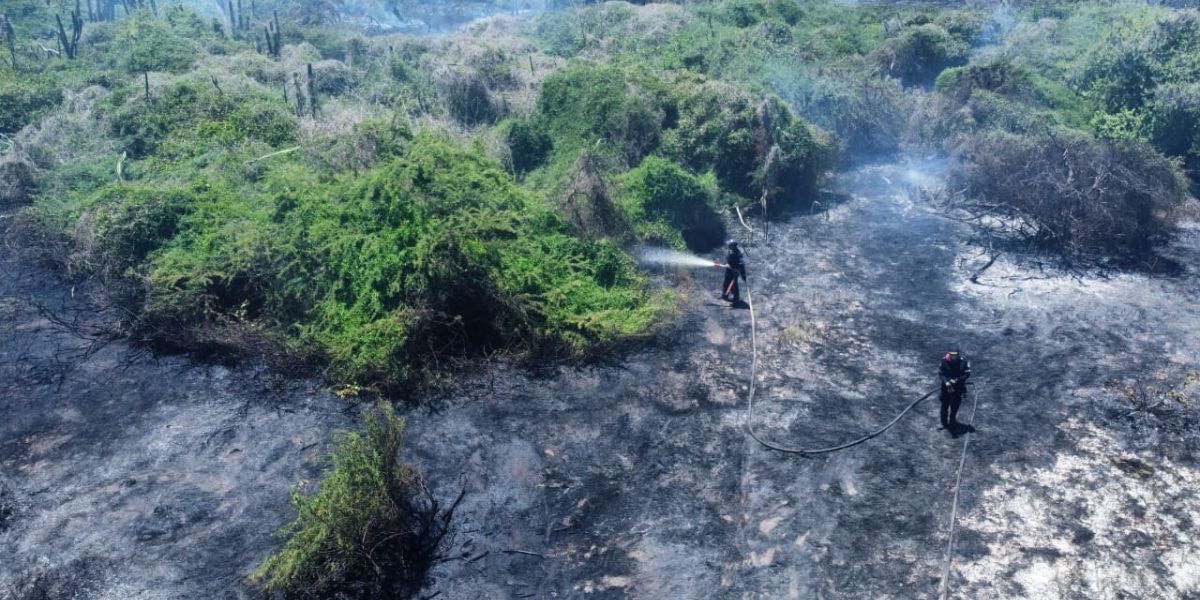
(665, 256)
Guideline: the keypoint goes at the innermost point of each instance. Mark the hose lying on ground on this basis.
(750, 399)
(944, 587)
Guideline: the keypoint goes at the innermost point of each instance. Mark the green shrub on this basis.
(918, 54)
(434, 255)
(1124, 125)
(833, 33)
(26, 98)
(372, 528)
(1052, 9)
(723, 130)
(147, 43)
(190, 116)
(127, 223)
(528, 145)
(495, 66)
(744, 13)
(659, 192)
(1175, 123)
(588, 104)
(999, 76)
(1140, 76)
(332, 77)
(559, 37)
(400, 69)
(329, 43)
(788, 11)
(999, 94)
(965, 25)
(1174, 47)
(367, 144)
(1119, 77)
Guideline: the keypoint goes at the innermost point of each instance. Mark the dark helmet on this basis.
(955, 349)
(732, 244)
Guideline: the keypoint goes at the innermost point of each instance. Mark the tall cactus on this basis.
(11, 37)
(134, 5)
(274, 37)
(101, 10)
(299, 95)
(238, 19)
(312, 92)
(70, 45)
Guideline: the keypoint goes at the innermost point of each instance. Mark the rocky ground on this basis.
(130, 476)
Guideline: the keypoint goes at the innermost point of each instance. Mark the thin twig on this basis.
(743, 220)
(276, 153)
(975, 277)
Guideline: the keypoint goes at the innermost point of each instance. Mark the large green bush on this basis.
(918, 53)
(435, 255)
(1144, 73)
(589, 105)
(668, 204)
(752, 147)
(147, 43)
(528, 145)
(1174, 123)
(126, 222)
(190, 116)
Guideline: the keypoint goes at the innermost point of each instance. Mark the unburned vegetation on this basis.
(1070, 139)
(383, 208)
(371, 530)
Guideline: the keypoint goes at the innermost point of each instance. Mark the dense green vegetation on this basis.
(1077, 128)
(421, 200)
(435, 253)
(370, 531)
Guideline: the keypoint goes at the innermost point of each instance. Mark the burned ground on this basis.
(640, 481)
(123, 475)
(128, 476)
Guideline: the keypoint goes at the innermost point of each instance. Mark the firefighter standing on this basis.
(954, 371)
(735, 267)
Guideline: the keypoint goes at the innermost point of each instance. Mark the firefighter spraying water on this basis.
(734, 265)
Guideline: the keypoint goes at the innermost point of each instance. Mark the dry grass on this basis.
(17, 175)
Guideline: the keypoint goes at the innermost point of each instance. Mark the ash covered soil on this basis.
(130, 476)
